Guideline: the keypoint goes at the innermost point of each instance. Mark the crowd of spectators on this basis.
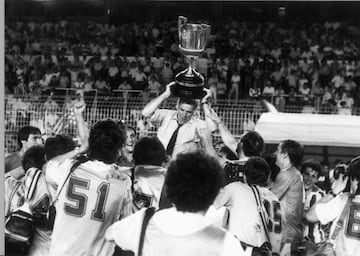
(292, 63)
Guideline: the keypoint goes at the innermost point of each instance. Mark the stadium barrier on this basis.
(52, 112)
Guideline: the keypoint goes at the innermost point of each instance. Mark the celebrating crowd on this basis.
(176, 193)
(295, 63)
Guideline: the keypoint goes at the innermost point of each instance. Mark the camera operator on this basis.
(336, 203)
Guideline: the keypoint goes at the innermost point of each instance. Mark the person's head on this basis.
(311, 171)
(251, 144)
(354, 175)
(34, 157)
(193, 181)
(29, 136)
(185, 110)
(106, 141)
(130, 139)
(289, 153)
(149, 151)
(257, 171)
(58, 145)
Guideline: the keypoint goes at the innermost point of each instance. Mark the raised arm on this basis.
(212, 118)
(79, 108)
(150, 108)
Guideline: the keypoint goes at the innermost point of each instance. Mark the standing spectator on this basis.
(235, 84)
(289, 188)
(330, 207)
(27, 137)
(193, 180)
(104, 198)
(167, 74)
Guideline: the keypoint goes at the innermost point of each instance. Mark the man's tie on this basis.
(171, 145)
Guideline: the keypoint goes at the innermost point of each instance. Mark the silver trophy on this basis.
(193, 38)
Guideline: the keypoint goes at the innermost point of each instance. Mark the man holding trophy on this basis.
(181, 130)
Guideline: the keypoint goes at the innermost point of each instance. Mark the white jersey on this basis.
(274, 211)
(313, 231)
(95, 196)
(244, 220)
(348, 239)
(148, 183)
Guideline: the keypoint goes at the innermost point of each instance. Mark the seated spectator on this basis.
(268, 90)
(154, 85)
(101, 85)
(221, 89)
(193, 181)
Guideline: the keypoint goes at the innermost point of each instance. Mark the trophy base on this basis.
(189, 84)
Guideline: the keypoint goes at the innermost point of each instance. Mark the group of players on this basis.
(213, 201)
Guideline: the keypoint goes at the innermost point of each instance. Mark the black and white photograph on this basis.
(180, 128)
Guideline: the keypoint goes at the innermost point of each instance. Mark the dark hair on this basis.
(228, 153)
(193, 181)
(105, 140)
(313, 164)
(58, 145)
(354, 168)
(129, 127)
(191, 102)
(34, 157)
(257, 171)
(24, 132)
(354, 172)
(252, 144)
(294, 150)
(149, 150)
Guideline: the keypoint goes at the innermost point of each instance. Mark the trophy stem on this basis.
(190, 70)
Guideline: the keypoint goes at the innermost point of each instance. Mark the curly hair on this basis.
(58, 145)
(257, 171)
(149, 150)
(105, 141)
(193, 181)
(34, 157)
(313, 164)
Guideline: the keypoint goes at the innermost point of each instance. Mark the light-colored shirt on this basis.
(244, 221)
(94, 197)
(186, 225)
(188, 139)
(348, 239)
(148, 182)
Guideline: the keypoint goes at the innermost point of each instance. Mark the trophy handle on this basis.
(181, 21)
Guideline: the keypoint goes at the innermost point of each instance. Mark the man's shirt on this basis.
(188, 139)
(289, 188)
